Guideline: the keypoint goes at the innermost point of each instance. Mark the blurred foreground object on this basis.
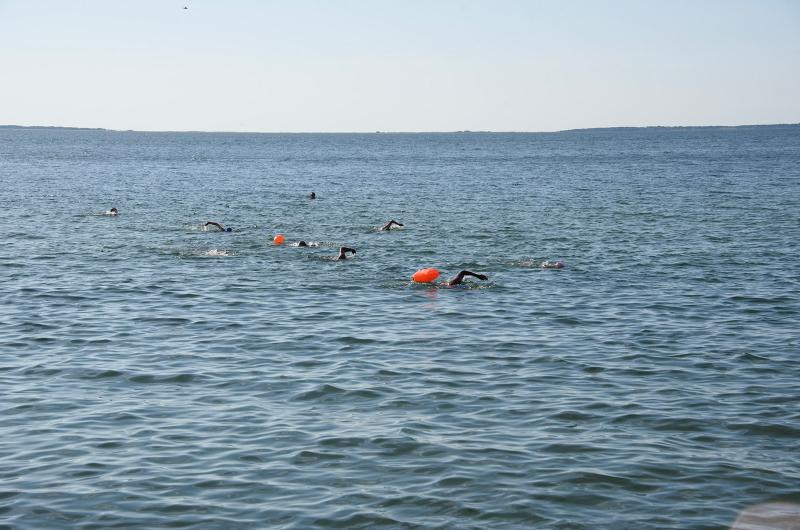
(769, 516)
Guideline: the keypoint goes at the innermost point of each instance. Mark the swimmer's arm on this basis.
(459, 278)
(343, 252)
(215, 224)
(388, 225)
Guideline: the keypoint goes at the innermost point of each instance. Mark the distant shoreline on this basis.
(621, 128)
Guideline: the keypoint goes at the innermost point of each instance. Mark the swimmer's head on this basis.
(312, 195)
(113, 210)
(229, 229)
(553, 265)
(302, 244)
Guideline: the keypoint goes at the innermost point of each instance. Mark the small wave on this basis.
(163, 378)
(218, 253)
(307, 457)
(212, 229)
(538, 263)
(393, 229)
(466, 286)
(190, 253)
(342, 441)
(329, 257)
(358, 520)
(530, 263)
(94, 373)
(328, 392)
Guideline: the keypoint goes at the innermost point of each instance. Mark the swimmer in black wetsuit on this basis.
(312, 195)
(213, 223)
(343, 253)
(388, 226)
(459, 278)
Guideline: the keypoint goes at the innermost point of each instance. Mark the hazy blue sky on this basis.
(399, 65)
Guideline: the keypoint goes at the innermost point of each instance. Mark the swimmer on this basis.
(343, 253)
(553, 265)
(302, 244)
(112, 211)
(388, 226)
(459, 278)
(312, 195)
(218, 226)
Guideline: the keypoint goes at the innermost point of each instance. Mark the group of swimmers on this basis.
(343, 251)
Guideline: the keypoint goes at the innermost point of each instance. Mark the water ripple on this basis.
(153, 375)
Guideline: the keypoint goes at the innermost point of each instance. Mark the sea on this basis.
(158, 373)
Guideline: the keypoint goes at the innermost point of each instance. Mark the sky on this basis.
(409, 65)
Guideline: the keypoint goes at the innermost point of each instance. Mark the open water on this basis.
(156, 375)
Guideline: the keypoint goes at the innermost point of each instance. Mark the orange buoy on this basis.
(425, 275)
(278, 239)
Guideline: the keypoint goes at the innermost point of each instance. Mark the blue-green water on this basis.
(155, 375)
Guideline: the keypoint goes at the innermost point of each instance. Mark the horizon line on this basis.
(464, 131)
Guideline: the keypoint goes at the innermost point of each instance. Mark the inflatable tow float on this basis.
(425, 275)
